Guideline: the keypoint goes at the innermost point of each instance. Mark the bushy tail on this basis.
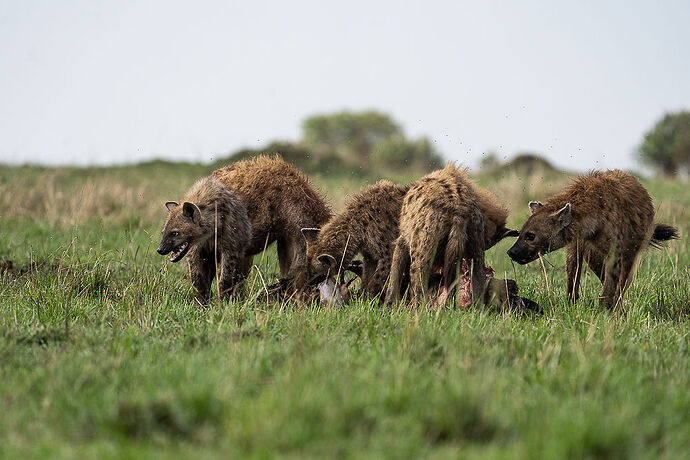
(663, 232)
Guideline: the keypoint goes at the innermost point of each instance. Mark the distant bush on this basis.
(363, 143)
(351, 135)
(666, 147)
(523, 164)
(400, 154)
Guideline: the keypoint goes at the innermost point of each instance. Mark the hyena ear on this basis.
(191, 211)
(328, 260)
(508, 233)
(310, 234)
(170, 205)
(564, 215)
(534, 206)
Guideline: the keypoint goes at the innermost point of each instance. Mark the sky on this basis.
(86, 83)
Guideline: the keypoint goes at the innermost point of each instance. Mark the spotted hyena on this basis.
(604, 218)
(280, 201)
(368, 226)
(210, 226)
(444, 218)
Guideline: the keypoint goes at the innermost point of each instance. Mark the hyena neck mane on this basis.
(213, 199)
(583, 222)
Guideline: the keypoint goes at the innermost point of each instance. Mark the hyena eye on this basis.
(174, 234)
(529, 236)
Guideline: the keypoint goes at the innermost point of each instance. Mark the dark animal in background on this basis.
(445, 217)
(368, 225)
(210, 226)
(605, 219)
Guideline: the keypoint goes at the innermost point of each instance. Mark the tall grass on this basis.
(102, 353)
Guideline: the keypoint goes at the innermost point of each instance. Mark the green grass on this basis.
(103, 355)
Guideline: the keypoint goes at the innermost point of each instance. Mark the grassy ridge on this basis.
(102, 354)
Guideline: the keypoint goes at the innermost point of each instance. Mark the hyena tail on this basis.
(663, 232)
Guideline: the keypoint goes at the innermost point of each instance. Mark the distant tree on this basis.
(351, 134)
(399, 154)
(667, 145)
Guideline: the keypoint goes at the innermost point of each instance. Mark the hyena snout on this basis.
(164, 248)
(176, 251)
(520, 255)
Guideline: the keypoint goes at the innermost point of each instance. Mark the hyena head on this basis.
(182, 230)
(318, 263)
(543, 232)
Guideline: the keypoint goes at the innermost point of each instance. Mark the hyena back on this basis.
(368, 225)
(605, 219)
(442, 221)
(210, 226)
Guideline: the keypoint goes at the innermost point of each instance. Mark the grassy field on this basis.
(103, 355)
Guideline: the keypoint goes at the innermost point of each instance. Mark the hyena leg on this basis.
(611, 277)
(228, 282)
(202, 269)
(595, 261)
(573, 268)
(627, 271)
(420, 265)
(475, 250)
(455, 248)
(401, 257)
(378, 278)
(285, 256)
(244, 266)
(367, 272)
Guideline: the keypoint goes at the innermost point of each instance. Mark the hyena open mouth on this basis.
(179, 252)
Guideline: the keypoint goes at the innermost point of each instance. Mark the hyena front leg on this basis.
(475, 250)
(401, 258)
(202, 269)
(378, 278)
(286, 256)
(368, 271)
(573, 267)
(292, 257)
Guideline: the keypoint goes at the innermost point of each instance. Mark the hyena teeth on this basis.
(177, 252)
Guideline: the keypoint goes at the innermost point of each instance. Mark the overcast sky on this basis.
(85, 82)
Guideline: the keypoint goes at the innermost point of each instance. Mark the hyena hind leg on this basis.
(230, 278)
(628, 265)
(399, 262)
(612, 269)
(420, 266)
(455, 248)
(475, 250)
